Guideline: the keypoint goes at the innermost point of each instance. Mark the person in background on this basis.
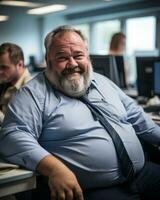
(13, 74)
(117, 48)
(117, 44)
(53, 131)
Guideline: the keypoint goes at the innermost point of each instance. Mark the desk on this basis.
(155, 118)
(16, 180)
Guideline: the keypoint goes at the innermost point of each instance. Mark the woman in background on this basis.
(117, 48)
(117, 44)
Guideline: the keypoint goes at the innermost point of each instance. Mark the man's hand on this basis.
(62, 182)
(64, 186)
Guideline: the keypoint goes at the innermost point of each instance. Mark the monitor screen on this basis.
(121, 71)
(101, 64)
(145, 66)
(156, 78)
(111, 67)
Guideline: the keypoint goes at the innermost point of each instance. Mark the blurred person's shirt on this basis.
(7, 91)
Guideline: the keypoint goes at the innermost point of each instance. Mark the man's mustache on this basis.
(71, 70)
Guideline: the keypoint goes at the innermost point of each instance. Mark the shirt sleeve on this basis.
(21, 130)
(143, 125)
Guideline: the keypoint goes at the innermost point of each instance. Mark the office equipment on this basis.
(145, 67)
(101, 64)
(152, 108)
(146, 53)
(16, 180)
(121, 71)
(155, 118)
(6, 167)
(156, 78)
(111, 67)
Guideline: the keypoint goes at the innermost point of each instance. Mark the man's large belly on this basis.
(92, 157)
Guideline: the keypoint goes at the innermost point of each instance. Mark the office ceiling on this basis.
(74, 6)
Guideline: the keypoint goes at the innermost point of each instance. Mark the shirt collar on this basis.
(24, 78)
(94, 83)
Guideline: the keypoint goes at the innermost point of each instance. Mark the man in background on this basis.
(13, 74)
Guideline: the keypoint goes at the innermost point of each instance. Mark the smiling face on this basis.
(69, 67)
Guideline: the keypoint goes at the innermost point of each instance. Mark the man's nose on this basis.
(72, 62)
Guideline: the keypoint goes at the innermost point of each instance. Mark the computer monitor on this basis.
(121, 71)
(156, 78)
(111, 67)
(101, 64)
(145, 67)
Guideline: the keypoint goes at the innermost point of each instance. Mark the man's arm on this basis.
(21, 130)
(62, 182)
(144, 126)
(19, 144)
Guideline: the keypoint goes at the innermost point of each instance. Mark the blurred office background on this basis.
(139, 20)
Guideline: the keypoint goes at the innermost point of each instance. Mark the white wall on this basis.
(50, 22)
(24, 32)
(29, 33)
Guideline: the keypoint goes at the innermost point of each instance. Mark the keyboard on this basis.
(152, 108)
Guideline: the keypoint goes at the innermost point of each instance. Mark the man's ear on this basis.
(48, 62)
(20, 64)
(46, 58)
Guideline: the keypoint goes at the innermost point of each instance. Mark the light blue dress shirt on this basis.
(41, 121)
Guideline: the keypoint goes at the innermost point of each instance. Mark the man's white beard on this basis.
(71, 87)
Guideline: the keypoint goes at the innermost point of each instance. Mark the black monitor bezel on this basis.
(110, 59)
(155, 93)
(140, 74)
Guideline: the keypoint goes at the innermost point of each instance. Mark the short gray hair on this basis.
(60, 29)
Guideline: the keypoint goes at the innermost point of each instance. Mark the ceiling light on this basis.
(19, 3)
(47, 9)
(107, 0)
(3, 18)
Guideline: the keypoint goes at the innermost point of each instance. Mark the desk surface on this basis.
(155, 118)
(9, 175)
(16, 180)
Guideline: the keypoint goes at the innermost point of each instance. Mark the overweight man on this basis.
(51, 129)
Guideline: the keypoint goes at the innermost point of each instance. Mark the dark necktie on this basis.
(125, 163)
